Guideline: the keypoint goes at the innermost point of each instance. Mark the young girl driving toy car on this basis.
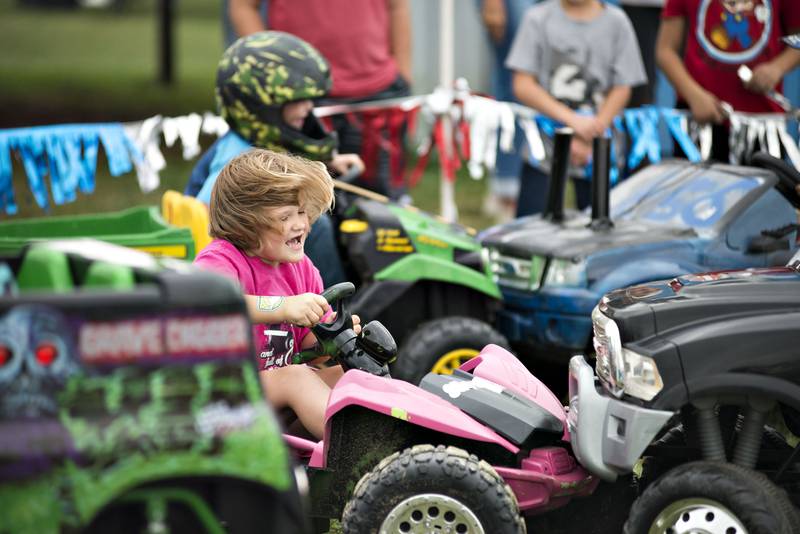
(262, 207)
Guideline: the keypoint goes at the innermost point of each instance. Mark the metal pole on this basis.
(601, 182)
(554, 209)
(447, 201)
(166, 51)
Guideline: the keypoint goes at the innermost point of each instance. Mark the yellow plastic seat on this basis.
(195, 214)
(185, 211)
(169, 205)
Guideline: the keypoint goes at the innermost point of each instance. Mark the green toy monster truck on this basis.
(129, 400)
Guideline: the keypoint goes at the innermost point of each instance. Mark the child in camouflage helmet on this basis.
(266, 83)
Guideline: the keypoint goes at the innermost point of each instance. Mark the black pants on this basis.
(533, 191)
(350, 137)
(646, 21)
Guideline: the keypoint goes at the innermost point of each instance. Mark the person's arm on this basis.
(615, 101)
(705, 106)
(529, 92)
(306, 309)
(400, 42)
(245, 16)
(493, 14)
(767, 75)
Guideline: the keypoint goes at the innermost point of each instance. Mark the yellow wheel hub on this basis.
(453, 360)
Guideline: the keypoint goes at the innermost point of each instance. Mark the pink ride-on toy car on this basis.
(468, 452)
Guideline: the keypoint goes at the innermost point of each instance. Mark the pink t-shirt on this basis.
(353, 35)
(275, 343)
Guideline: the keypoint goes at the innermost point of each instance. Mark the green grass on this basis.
(101, 65)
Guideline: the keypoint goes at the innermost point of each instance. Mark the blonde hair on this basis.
(260, 179)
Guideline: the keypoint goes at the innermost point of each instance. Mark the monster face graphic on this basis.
(36, 358)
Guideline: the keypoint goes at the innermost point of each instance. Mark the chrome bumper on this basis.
(608, 435)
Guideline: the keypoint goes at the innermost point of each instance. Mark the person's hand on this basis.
(305, 309)
(356, 322)
(580, 152)
(587, 127)
(342, 163)
(706, 108)
(765, 77)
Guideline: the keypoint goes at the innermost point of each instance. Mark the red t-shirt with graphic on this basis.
(275, 343)
(721, 35)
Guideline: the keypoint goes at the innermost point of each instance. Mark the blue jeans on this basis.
(506, 180)
(322, 250)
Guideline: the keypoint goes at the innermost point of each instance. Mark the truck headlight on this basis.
(641, 378)
(621, 369)
(515, 272)
(565, 273)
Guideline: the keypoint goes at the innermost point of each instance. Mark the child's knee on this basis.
(279, 384)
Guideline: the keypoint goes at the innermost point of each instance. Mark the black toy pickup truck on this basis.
(697, 389)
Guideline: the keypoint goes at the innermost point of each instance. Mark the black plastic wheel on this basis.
(428, 489)
(711, 497)
(442, 345)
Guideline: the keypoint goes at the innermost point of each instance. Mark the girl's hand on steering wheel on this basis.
(306, 309)
(356, 322)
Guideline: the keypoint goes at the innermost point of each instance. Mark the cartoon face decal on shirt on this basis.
(278, 347)
(571, 82)
(734, 31)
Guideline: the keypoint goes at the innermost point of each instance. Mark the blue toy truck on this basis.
(671, 218)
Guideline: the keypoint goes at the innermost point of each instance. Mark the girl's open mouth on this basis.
(295, 243)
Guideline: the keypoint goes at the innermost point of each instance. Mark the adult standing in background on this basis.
(501, 19)
(368, 45)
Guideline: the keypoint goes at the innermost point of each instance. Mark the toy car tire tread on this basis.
(761, 506)
(428, 469)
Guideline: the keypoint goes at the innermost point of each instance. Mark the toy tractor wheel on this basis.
(441, 345)
(712, 497)
(427, 489)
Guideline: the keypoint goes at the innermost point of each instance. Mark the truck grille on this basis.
(602, 351)
(516, 273)
(606, 343)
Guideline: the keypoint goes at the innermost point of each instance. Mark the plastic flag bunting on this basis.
(61, 160)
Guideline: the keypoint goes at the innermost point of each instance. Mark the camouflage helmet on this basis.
(260, 73)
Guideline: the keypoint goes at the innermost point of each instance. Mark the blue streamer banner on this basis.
(67, 155)
(61, 160)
